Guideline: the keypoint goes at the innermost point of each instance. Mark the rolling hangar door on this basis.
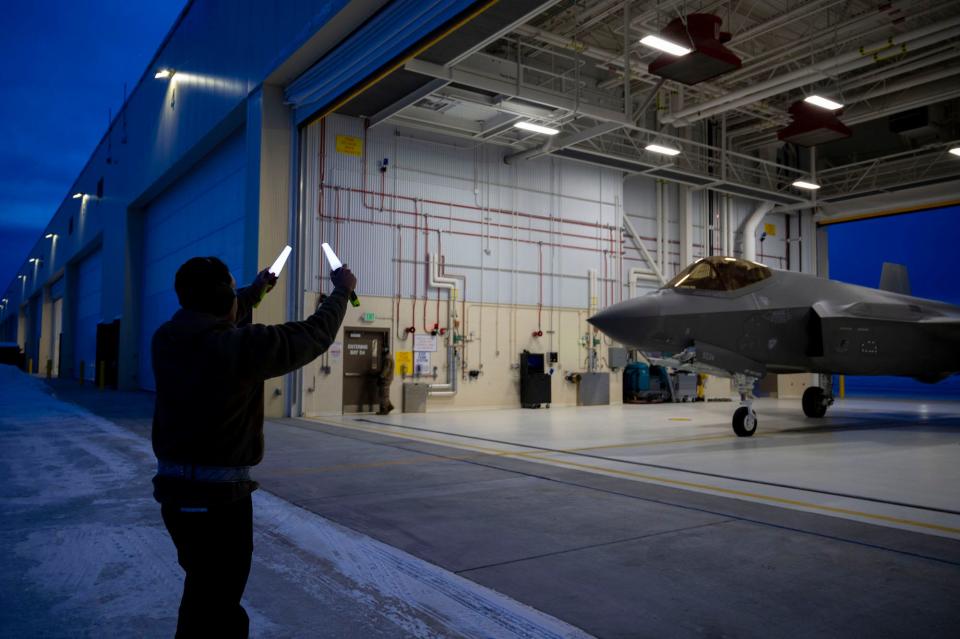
(201, 214)
(86, 315)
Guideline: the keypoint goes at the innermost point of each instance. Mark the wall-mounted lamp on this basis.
(164, 73)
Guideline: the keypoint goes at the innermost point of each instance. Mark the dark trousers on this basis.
(214, 547)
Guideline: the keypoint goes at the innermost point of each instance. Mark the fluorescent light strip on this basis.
(823, 103)
(664, 150)
(800, 184)
(955, 150)
(655, 42)
(536, 128)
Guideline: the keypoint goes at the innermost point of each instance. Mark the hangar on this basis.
(495, 173)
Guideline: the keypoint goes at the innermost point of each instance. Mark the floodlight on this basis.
(663, 150)
(823, 103)
(656, 42)
(536, 128)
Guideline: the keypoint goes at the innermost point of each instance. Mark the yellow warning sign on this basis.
(404, 361)
(349, 145)
(770, 229)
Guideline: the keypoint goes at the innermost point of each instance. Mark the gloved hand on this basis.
(264, 282)
(343, 277)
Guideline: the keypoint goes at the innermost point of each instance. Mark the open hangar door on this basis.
(201, 214)
(86, 315)
(920, 240)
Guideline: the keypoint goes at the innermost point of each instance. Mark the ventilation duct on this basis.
(708, 58)
(812, 126)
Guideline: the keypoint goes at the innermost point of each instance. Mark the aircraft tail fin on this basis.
(894, 278)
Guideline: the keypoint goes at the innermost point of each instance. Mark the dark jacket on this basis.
(209, 374)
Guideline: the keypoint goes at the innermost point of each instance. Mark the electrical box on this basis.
(593, 389)
(415, 397)
(617, 357)
(534, 382)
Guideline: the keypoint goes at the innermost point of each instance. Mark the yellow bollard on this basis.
(843, 387)
(29, 366)
(49, 369)
(81, 372)
(101, 375)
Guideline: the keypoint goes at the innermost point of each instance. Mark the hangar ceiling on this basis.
(578, 66)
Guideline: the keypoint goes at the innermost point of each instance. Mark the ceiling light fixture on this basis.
(536, 128)
(663, 150)
(656, 42)
(163, 74)
(955, 150)
(822, 102)
(810, 186)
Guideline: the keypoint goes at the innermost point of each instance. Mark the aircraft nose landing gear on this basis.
(816, 400)
(745, 419)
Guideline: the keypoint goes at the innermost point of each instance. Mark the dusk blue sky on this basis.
(62, 65)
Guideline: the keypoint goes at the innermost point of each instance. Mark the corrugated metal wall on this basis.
(200, 215)
(483, 216)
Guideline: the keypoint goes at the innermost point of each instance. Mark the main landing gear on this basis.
(745, 419)
(816, 400)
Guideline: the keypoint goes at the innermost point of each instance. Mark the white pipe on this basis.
(839, 64)
(635, 275)
(748, 242)
(449, 389)
(906, 83)
(628, 225)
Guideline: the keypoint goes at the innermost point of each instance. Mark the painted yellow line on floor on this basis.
(756, 496)
(662, 480)
(651, 442)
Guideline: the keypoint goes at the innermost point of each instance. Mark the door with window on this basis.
(362, 359)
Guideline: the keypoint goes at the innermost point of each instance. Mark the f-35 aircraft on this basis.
(733, 317)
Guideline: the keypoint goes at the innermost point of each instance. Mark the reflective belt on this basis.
(203, 473)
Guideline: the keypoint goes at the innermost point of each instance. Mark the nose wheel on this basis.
(744, 421)
(744, 418)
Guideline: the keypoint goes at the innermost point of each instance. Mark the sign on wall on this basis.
(404, 362)
(349, 145)
(425, 342)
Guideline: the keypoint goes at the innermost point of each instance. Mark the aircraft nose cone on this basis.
(615, 322)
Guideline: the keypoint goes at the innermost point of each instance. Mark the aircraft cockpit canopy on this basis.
(718, 273)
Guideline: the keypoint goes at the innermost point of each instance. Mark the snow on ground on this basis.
(85, 552)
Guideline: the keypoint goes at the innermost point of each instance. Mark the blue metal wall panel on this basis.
(200, 215)
(396, 28)
(87, 314)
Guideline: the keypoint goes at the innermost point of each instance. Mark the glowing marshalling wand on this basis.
(336, 265)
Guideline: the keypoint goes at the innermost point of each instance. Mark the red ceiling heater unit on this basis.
(812, 126)
(708, 58)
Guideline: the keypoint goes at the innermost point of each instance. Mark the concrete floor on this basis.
(894, 463)
(649, 521)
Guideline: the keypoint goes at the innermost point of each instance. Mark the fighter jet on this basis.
(736, 318)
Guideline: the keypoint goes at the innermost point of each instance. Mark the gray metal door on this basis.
(363, 351)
